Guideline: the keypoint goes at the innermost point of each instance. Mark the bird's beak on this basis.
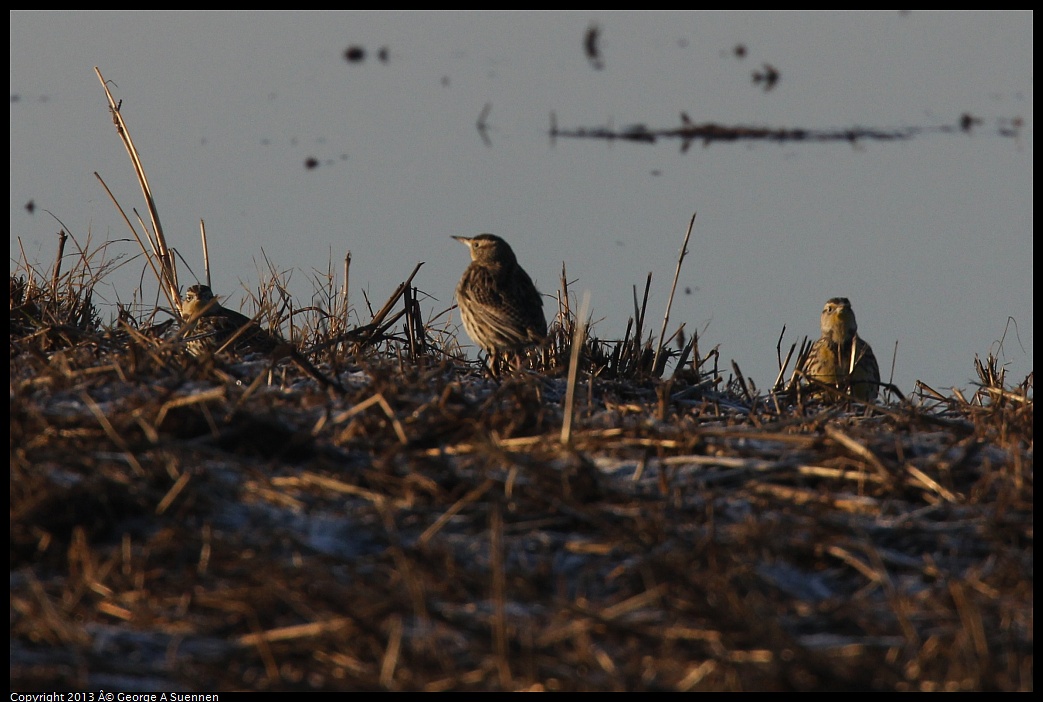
(466, 241)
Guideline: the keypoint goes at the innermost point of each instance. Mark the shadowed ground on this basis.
(176, 525)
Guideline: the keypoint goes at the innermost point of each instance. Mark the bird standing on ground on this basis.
(841, 358)
(209, 327)
(501, 309)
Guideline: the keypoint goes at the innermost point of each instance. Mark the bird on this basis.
(841, 358)
(501, 308)
(209, 327)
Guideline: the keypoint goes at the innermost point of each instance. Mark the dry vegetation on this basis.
(589, 523)
(234, 525)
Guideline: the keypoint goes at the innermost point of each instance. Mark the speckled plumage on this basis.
(500, 307)
(840, 357)
(214, 326)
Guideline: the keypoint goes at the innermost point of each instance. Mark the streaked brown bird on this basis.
(501, 309)
(209, 327)
(841, 358)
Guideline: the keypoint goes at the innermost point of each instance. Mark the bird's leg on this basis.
(491, 364)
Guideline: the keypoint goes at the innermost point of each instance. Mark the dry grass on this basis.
(236, 525)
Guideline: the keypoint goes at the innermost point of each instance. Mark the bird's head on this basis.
(197, 300)
(838, 320)
(489, 250)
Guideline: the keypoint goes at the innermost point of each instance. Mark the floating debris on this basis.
(968, 121)
(591, 47)
(768, 75)
(354, 54)
(357, 54)
(482, 125)
(709, 132)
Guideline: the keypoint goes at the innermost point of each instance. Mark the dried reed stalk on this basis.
(168, 277)
(673, 289)
(578, 339)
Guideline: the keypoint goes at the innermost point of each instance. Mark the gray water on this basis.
(929, 236)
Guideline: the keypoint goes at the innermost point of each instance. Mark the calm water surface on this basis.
(930, 237)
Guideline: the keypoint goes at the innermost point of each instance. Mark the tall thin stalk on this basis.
(673, 288)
